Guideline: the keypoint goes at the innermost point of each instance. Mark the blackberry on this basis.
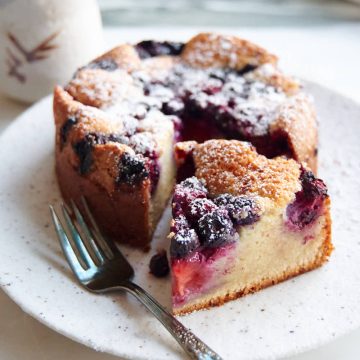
(242, 209)
(308, 203)
(132, 169)
(198, 208)
(184, 242)
(312, 186)
(185, 192)
(216, 229)
(150, 48)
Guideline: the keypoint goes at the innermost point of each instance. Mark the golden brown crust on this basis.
(89, 118)
(182, 150)
(125, 56)
(323, 256)
(271, 75)
(99, 88)
(159, 63)
(111, 210)
(235, 167)
(108, 201)
(214, 50)
(297, 121)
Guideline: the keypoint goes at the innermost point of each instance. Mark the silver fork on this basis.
(100, 267)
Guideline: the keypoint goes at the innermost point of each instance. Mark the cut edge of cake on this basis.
(323, 256)
(275, 187)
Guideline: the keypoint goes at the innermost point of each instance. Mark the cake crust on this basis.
(324, 254)
(241, 170)
(235, 169)
(214, 50)
(110, 202)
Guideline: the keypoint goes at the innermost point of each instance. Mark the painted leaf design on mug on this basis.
(14, 63)
(38, 53)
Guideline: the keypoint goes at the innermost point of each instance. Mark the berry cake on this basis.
(119, 117)
(242, 222)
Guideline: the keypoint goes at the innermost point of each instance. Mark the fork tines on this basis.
(87, 247)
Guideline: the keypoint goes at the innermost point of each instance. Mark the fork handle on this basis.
(193, 346)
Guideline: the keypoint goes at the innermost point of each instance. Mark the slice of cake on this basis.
(124, 167)
(242, 222)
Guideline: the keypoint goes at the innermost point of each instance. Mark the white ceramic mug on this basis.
(42, 43)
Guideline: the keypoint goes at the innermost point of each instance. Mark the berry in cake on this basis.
(185, 240)
(68, 124)
(159, 265)
(132, 169)
(103, 64)
(242, 210)
(150, 48)
(83, 150)
(307, 206)
(119, 117)
(246, 222)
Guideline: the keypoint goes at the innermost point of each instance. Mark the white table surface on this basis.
(327, 55)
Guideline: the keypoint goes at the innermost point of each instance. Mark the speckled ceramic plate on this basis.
(285, 319)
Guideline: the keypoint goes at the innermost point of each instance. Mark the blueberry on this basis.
(132, 169)
(216, 229)
(247, 68)
(103, 64)
(242, 209)
(83, 149)
(159, 265)
(184, 242)
(65, 129)
(150, 48)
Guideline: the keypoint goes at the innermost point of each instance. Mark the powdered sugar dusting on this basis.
(252, 105)
(167, 90)
(236, 168)
(240, 106)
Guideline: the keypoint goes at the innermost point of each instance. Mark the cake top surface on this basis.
(229, 166)
(225, 73)
(244, 96)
